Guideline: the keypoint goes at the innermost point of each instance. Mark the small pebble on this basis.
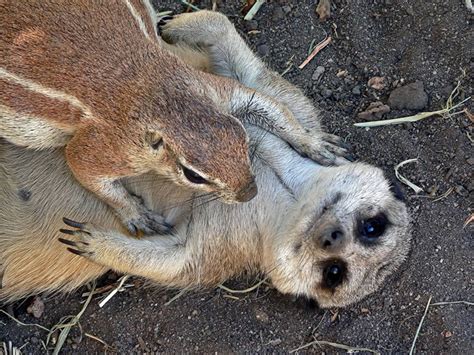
(375, 111)
(286, 9)
(278, 14)
(326, 93)
(318, 73)
(263, 49)
(377, 82)
(356, 90)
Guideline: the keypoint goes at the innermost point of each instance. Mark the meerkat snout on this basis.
(329, 235)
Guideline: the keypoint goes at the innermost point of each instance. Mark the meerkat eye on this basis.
(157, 144)
(334, 274)
(373, 228)
(192, 176)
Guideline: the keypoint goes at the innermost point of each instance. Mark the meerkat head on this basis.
(350, 232)
(211, 156)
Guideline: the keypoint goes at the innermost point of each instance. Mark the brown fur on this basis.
(281, 233)
(126, 86)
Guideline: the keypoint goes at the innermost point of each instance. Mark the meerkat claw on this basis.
(77, 252)
(67, 241)
(163, 21)
(66, 231)
(72, 223)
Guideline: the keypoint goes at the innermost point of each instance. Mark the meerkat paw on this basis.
(196, 28)
(89, 241)
(325, 149)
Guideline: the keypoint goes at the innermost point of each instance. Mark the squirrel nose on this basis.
(247, 193)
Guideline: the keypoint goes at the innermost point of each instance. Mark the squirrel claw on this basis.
(148, 223)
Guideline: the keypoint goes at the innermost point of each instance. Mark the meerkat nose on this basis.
(247, 193)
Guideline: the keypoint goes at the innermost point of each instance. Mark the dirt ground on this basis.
(403, 41)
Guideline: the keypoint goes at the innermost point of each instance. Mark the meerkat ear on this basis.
(154, 139)
(395, 187)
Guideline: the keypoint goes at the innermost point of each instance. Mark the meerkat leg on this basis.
(159, 258)
(230, 56)
(100, 171)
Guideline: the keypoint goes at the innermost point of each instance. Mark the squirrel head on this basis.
(210, 155)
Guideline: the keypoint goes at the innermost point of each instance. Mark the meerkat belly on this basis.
(35, 118)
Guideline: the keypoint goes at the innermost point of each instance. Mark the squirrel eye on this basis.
(157, 144)
(192, 176)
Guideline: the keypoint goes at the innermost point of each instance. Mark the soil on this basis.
(402, 41)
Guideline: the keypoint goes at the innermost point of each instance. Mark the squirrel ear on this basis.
(154, 139)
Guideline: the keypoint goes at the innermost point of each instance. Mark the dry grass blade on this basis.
(289, 64)
(412, 349)
(469, 220)
(403, 179)
(67, 326)
(445, 111)
(188, 4)
(24, 324)
(349, 349)
(93, 337)
(9, 349)
(114, 291)
(164, 13)
(175, 297)
(247, 290)
(315, 51)
(452, 302)
(444, 195)
(253, 10)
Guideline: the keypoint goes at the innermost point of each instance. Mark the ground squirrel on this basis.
(332, 234)
(93, 77)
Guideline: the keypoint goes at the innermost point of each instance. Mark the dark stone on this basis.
(251, 25)
(411, 97)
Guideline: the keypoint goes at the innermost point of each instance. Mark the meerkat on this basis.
(94, 78)
(332, 234)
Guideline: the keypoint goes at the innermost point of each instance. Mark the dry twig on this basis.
(316, 50)
(403, 179)
(412, 349)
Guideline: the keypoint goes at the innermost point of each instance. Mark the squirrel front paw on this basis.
(139, 220)
(148, 223)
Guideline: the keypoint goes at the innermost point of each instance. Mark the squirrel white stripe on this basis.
(49, 92)
(138, 18)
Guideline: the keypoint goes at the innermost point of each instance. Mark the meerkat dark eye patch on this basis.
(193, 177)
(334, 273)
(371, 229)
